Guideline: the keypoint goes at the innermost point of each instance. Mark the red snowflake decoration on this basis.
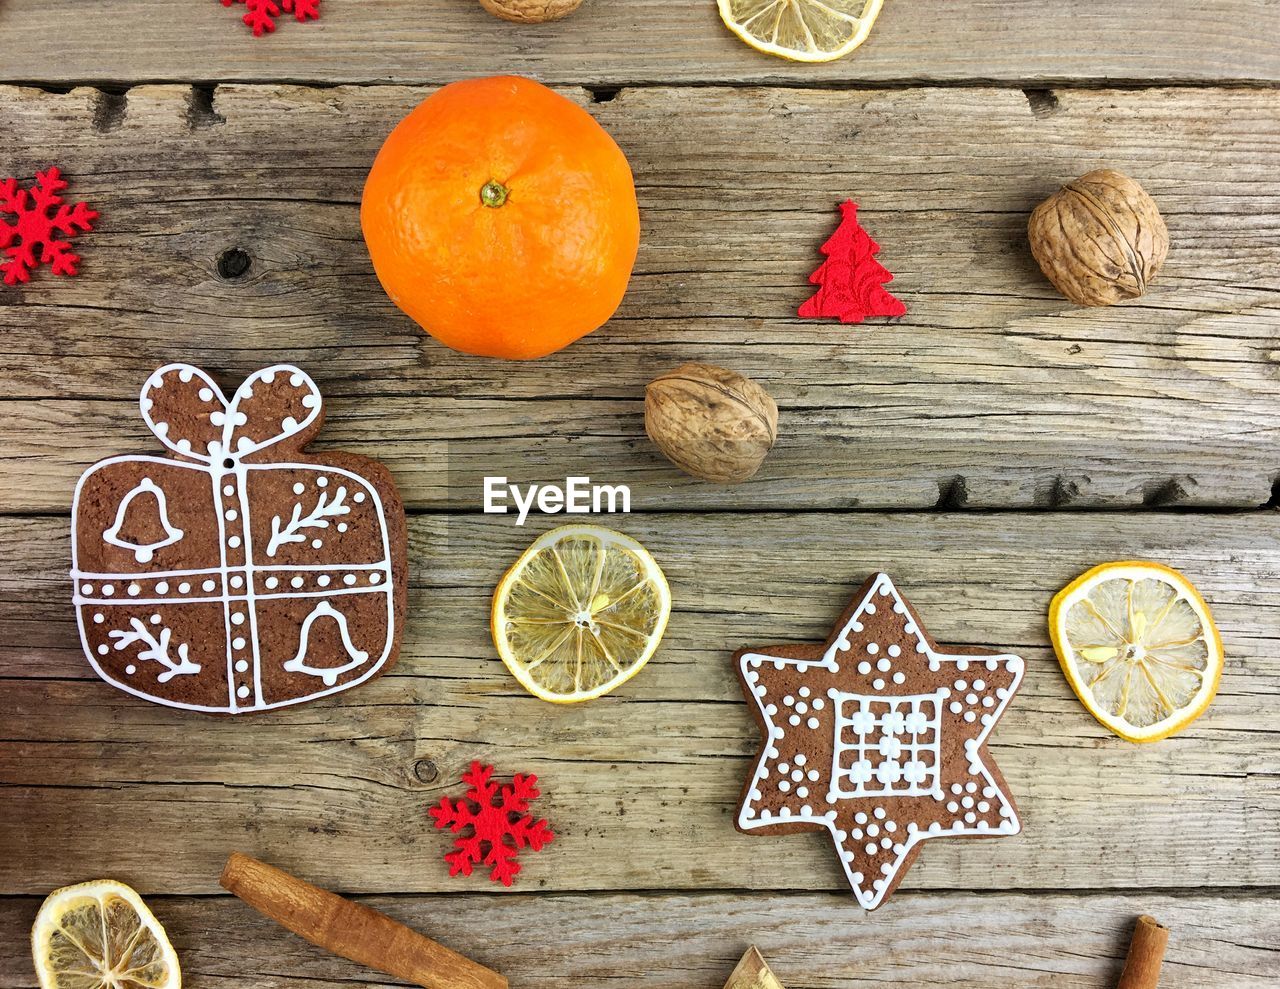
(498, 821)
(35, 226)
(851, 280)
(261, 14)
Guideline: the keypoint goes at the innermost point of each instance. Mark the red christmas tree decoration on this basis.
(497, 823)
(34, 226)
(851, 281)
(260, 15)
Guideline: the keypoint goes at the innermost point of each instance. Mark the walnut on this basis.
(710, 422)
(1099, 239)
(531, 11)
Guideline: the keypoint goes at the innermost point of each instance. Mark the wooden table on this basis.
(985, 449)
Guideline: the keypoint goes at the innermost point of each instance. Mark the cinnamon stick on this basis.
(352, 930)
(1146, 955)
(753, 973)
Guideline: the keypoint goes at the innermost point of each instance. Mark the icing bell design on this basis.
(143, 552)
(201, 577)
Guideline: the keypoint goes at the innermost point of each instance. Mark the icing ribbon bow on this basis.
(191, 416)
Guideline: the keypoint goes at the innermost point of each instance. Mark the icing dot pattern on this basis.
(894, 755)
(147, 627)
(207, 586)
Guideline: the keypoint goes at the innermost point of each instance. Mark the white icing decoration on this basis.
(229, 415)
(318, 518)
(858, 728)
(143, 552)
(155, 650)
(329, 675)
(227, 477)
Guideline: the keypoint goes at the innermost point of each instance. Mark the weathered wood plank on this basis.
(992, 393)
(670, 941)
(641, 786)
(429, 41)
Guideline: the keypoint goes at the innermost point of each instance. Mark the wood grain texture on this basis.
(673, 941)
(992, 393)
(949, 126)
(641, 786)
(629, 41)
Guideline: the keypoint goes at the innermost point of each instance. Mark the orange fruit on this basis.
(502, 218)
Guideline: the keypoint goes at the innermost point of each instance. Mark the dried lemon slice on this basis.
(100, 935)
(580, 613)
(802, 30)
(1139, 647)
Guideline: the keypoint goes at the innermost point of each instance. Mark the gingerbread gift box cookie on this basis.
(878, 737)
(239, 573)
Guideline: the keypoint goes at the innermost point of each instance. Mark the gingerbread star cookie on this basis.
(878, 737)
(240, 573)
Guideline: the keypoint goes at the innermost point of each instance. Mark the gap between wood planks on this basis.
(1262, 893)
(111, 102)
(1039, 91)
